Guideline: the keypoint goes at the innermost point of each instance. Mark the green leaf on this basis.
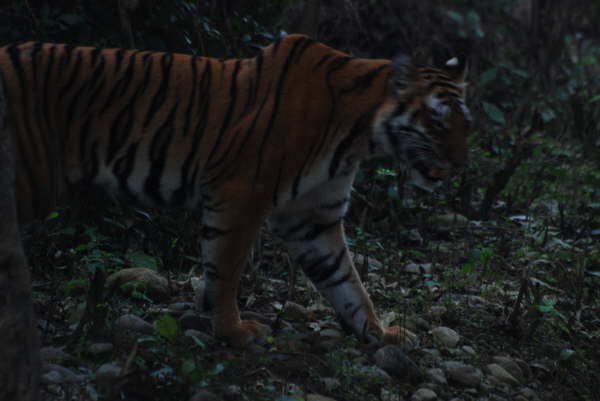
(595, 99)
(141, 259)
(488, 76)
(456, 16)
(166, 325)
(475, 23)
(52, 215)
(493, 112)
(548, 115)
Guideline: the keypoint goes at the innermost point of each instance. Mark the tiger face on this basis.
(424, 121)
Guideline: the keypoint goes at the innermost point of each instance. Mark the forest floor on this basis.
(504, 310)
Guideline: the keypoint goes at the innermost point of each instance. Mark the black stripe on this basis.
(98, 78)
(181, 193)
(359, 128)
(322, 61)
(226, 119)
(365, 81)
(278, 182)
(158, 100)
(339, 281)
(121, 86)
(190, 112)
(123, 169)
(68, 82)
(306, 43)
(318, 273)
(276, 102)
(158, 152)
(120, 130)
(318, 229)
(335, 204)
(210, 233)
(119, 53)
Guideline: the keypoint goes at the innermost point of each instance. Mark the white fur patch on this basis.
(436, 104)
(453, 62)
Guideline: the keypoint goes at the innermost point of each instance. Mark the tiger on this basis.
(276, 139)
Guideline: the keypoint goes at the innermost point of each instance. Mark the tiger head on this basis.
(424, 120)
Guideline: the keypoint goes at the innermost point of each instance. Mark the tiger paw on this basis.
(397, 335)
(244, 333)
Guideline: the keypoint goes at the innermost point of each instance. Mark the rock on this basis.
(233, 391)
(142, 279)
(437, 376)
(501, 374)
(437, 311)
(359, 261)
(203, 395)
(54, 354)
(330, 383)
(445, 222)
(387, 395)
(528, 393)
(461, 373)
(424, 394)
(318, 397)
(414, 268)
(296, 312)
(332, 334)
(446, 336)
(100, 348)
(192, 320)
(202, 337)
(373, 374)
(134, 323)
(467, 349)
(393, 360)
(106, 375)
(181, 307)
(510, 366)
(57, 374)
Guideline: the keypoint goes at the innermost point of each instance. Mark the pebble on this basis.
(318, 397)
(59, 374)
(501, 374)
(511, 366)
(331, 383)
(424, 394)
(414, 268)
(296, 312)
(333, 334)
(146, 280)
(203, 395)
(462, 373)
(192, 320)
(106, 375)
(437, 376)
(100, 348)
(54, 354)
(393, 360)
(446, 336)
(134, 323)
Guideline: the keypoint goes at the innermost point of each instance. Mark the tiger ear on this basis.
(458, 68)
(405, 74)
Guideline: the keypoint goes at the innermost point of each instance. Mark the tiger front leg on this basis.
(227, 240)
(320, 249)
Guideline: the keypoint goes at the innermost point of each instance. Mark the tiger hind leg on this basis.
(226, 243)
